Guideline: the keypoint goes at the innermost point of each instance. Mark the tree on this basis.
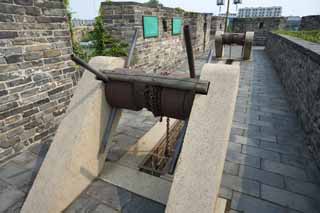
(104, 44)
(153, 3)
(77, 50)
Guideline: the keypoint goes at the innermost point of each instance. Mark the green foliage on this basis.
(66, 3)
(179, 10)
(312, 35)
(77, 49)
(104, 44)
(153, 3)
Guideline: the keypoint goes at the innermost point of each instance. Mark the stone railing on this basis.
(298, 65)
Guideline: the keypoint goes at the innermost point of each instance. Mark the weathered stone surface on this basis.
(51, 53)
(260, 26)
(310, 23)
(191, 192)
(284, 169)
(8, 196)
(289, 199)
(36, 48)
(8, 34)
(249, 204)
(6, 18)
(14, 59)
(60, 182)
(33, 56)
(236, 183)
(297, 63)
(262, 176)
(24, 2)
(164, 53)
(31, 44)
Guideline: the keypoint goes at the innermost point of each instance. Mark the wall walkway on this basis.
(267, 169)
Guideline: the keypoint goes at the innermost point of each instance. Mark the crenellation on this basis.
(260, 25)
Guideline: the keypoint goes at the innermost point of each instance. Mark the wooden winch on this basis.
(162, 95)
(243, 39)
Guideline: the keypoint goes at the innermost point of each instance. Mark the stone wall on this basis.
(36, 76)
(166, 51)
(298, 65)
(217, 24)
(80, 32)
(310, 23)
(261, 26)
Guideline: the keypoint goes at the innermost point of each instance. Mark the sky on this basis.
(88, 9)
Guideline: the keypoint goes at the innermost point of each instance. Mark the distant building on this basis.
(260, 12)
(82, 22)
(230, 15)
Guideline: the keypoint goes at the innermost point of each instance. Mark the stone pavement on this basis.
(267, 169)
(16, 176)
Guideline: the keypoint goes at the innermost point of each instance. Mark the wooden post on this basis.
(227, 15)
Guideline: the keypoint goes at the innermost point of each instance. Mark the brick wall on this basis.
(166, 51)
(298, 65)
(261, 26)
(217, 24)
(36, 76)
(310, 23)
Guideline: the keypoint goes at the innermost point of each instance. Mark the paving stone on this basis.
(284, 169)
(244, 140)
(82, 204)
(225, 193)
(40, 149)
(262, 176)
(304, 188)
(233, 211)
(108, 194)
(289, 199)
(270, 138)
(264, 154)
(104, 209)
(9, 196)
(241, 185)
(313, 172)
(243, 159)
(234, 147)
(16, 208)
(20, 178)
(285, 149)
(294, 160)
(142, 205)
(24, 158)
(249, 204)
(231, 168)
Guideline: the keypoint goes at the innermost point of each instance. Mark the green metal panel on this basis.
(150, 26)
(176, 26)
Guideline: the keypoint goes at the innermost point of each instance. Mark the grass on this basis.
(312, 35)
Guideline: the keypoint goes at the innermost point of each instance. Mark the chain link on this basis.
(152, 95)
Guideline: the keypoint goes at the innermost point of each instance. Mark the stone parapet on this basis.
(260, 26)
(298, 65)
(310, 23)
